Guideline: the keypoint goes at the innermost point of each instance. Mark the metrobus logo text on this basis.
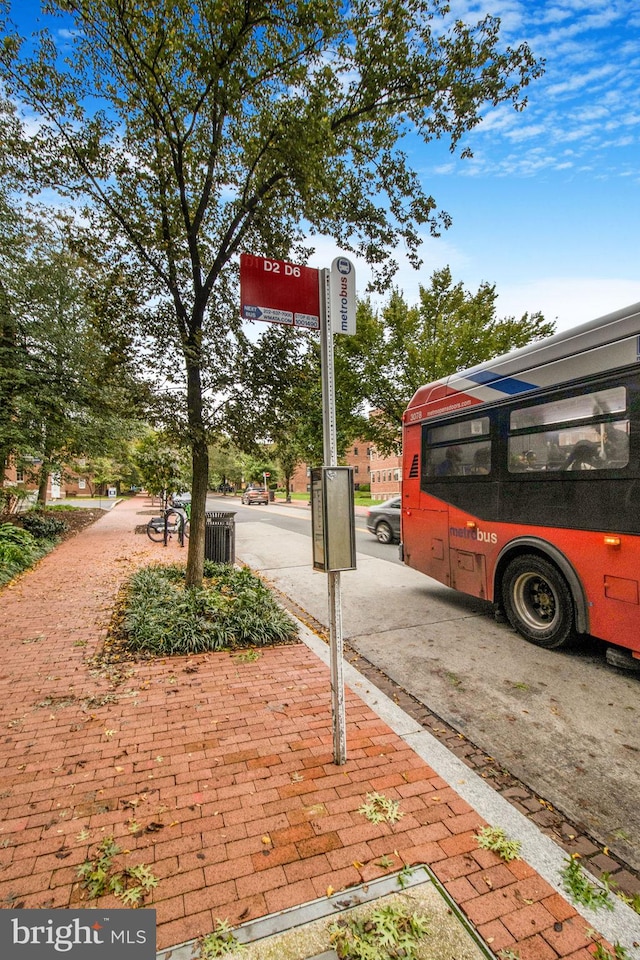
(483, 536)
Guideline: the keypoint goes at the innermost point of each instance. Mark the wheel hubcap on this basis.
(535, 601)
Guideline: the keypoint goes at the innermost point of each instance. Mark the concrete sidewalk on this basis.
(217, 775)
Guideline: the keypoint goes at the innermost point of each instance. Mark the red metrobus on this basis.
(521, 483)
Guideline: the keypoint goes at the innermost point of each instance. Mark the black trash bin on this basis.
(220, 536)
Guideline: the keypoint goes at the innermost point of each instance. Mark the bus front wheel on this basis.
(538, 602)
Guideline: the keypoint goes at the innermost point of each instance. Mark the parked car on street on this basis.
(384, 521)
(180, 499)
(255, 495)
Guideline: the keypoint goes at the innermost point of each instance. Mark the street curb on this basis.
(322, 908)
(620, 924)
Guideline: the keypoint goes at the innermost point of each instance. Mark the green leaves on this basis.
(384, 933)
(298, 109)
(495, 839)
(580, 888)
(103, 875)
(220, 942)
(195, 131)
(43, 526)
(401, 347)
(232, 609)
(19, 550)
(380, 809)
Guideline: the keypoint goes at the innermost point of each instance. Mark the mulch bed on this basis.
(76, 519)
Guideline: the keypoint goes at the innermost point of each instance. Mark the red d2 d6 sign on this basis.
(279, 292)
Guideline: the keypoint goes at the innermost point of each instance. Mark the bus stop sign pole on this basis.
(330, 453)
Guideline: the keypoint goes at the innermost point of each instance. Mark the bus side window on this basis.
(596, 446)
(616, 443)
(451, 464)
(481, 459)
(459, 460)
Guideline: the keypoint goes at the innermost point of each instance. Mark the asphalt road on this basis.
(565, 723)
(297, 519)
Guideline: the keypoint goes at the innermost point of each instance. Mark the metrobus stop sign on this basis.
(279, 292)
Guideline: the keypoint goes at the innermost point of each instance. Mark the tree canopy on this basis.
(396, 349)
(196, 129)
(163, 467)
(401, 347)
(67, 385)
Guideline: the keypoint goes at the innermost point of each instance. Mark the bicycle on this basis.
(175, 520)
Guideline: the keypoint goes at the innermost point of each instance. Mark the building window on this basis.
(19, 475)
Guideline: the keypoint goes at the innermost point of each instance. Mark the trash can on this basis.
(220, 536)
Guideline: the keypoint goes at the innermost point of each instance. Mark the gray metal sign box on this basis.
(333, 519)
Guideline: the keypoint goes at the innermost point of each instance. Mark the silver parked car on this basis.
(384, 521)
(255, 495)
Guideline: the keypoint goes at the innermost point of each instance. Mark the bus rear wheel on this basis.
(538, 602)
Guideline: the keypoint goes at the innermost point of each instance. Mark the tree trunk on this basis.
(200, 466)
(9, 373)
(43, 484)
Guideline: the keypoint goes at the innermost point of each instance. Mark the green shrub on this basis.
(18, 551)
(10, 496)
(43, 526)
(232, 609)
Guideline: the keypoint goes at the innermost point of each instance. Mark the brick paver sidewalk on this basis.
(216, 773)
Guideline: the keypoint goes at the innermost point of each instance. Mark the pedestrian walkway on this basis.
(216, 774)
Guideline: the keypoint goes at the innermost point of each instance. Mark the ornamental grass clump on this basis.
(232, 609)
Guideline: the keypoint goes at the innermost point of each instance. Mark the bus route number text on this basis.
(273, 266)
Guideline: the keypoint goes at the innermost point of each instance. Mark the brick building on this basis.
(357, 456)
(369, 467)
(385, 473)
(69, 484)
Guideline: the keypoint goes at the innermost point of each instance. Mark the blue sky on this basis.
(548, 209)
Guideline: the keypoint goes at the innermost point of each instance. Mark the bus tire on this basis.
(538, 602)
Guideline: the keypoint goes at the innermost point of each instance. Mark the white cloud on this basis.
(435, 254)
(569, 301)
(583, 80)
